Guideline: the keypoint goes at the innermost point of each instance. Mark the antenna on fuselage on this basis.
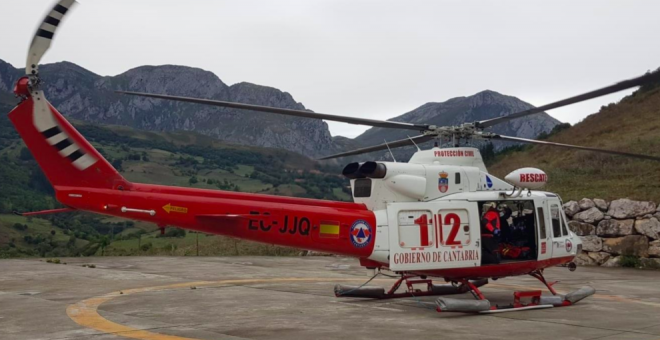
(415, 144)
(390, 150)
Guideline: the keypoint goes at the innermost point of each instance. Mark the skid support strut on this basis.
(474, 289)
(538, 274)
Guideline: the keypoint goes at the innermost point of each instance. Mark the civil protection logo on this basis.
(569, 246)
(360, 233)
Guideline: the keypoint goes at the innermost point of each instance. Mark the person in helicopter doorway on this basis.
(505, 227)
(490, 236)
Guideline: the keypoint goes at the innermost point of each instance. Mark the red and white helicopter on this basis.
(433, 217)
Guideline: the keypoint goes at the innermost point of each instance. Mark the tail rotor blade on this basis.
(44, 35)
(569, 146)
(396, 144)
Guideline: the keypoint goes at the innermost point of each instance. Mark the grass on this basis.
(209, 245)
(633, 125)
(161, 168)
(36, 226)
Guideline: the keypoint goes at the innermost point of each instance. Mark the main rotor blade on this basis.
(569, 146)
(288, 112)
(44, 35)
(626, 84)
(396, 144)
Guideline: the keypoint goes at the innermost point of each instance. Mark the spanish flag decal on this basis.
(329, 229)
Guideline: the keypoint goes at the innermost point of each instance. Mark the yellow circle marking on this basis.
(85, 313)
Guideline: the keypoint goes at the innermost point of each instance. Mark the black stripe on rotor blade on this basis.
(51, 132)
(75, 155)
(395, 144)
(576, 147)
(45, 34)
(63, 144)
(60, 9)
(288, 112)
(52, 21)
(620, 86)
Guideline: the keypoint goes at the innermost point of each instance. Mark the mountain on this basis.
(84, 95)
(631, 125)
(483, 105)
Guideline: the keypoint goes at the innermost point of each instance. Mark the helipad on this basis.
(178, 298)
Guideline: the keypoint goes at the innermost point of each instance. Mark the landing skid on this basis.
(430, 290)
(522, 300)
(535, 298)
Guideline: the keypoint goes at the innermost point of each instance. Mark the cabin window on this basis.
(457, 178)
(517, 236)
(556, 220)
(362, 187)
(416, 228)
(541, 217)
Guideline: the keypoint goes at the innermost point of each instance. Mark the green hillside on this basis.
(632, 125)
(174, 158)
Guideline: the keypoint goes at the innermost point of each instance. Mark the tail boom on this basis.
(293, 222)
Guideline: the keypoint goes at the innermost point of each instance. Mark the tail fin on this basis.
(66, 158)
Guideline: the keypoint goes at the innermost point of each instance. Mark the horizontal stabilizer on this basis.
(44, 212)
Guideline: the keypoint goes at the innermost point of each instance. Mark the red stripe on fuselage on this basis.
(495, 270)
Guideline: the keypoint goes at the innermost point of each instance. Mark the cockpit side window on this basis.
(556, 224)
(562, 217)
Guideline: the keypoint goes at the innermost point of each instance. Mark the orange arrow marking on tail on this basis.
(170, 208)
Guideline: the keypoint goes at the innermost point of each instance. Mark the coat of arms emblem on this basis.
(443, 182)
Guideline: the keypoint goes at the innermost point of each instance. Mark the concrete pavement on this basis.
(175, 298)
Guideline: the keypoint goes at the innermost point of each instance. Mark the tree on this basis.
(25, 154)
(104, 242)
(193, 180)
(20, 227)
(116, 163)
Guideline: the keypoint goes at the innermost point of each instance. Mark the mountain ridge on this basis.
(82, 94)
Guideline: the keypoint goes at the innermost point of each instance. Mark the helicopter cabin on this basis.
(444, 216)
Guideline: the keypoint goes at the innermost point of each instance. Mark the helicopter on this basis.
(429, 218)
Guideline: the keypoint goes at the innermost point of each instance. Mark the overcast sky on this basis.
(375, 59)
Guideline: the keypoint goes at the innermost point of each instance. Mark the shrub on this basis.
(174, 232)
(630, 261)
(20, 227)
(146, 246)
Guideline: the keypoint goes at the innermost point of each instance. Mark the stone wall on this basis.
(610, 230)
